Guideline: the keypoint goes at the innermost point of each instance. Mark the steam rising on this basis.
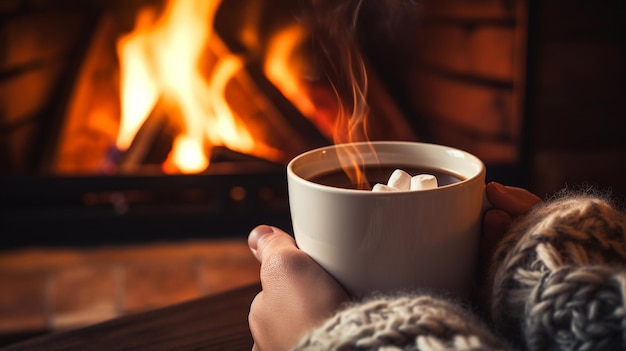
(339, 29)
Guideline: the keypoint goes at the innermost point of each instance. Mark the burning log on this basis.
(158, 129)
(213, 108)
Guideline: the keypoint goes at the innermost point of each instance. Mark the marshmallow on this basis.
(400, 180)
(383, 188)
(423, 182)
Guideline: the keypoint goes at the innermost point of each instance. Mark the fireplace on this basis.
(71, 178)
(449, 72)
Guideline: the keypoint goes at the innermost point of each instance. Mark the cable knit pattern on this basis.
(402, 323)
(558, 282)
(578, 308)
(559, 275)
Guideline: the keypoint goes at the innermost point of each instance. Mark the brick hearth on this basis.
(62, 288)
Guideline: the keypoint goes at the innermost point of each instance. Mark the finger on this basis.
(265, 241)
(515, 201)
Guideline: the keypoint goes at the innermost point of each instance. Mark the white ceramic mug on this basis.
(390, 241)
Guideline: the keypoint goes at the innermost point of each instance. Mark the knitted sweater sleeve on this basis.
(402, 323)
(558, 282)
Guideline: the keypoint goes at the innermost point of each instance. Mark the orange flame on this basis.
(280, 68)
(349, 121)
(340, 110)
(284, 66)
(188, 155)
(161, 58)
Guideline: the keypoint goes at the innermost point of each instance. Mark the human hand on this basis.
(507, 203)
(297, 294)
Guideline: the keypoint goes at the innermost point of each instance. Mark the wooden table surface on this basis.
(218, 322)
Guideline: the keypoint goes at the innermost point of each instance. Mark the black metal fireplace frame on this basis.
(225, 202)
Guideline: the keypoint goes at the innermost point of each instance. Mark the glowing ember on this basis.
(187, 155)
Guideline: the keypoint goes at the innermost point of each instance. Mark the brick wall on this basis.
(458, 69)
(534, 88)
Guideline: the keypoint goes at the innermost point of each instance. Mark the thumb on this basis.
(265, 241)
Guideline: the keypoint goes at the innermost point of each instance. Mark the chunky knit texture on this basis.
(559, 277)
(407, 323)
(558, 282)
(577, 308)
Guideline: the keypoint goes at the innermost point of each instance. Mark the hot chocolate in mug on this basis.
(389, 241)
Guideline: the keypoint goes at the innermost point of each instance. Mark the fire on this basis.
(285, 66)
(165, 64)
(162, 58)
(139, 89)
(188, 155)
(280, 66)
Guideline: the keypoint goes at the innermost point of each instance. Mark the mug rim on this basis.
(292, 174)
